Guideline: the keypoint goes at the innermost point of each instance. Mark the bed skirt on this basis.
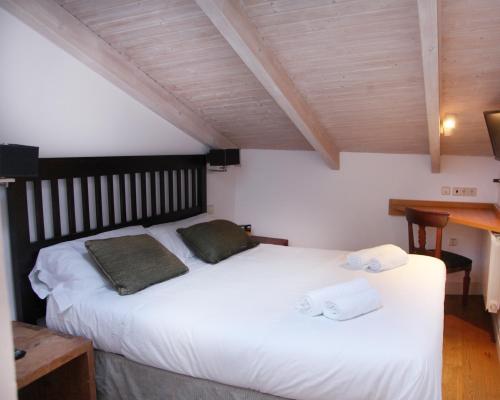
(120, 379)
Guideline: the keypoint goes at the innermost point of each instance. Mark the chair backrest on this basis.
(425, 219)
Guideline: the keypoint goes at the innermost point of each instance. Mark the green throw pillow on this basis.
(216, 240)
(132, 263)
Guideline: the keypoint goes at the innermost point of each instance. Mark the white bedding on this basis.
(235, 323)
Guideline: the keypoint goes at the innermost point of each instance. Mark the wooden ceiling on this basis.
(358, 64)
(354, 66)
(175, 43)
(470, 71)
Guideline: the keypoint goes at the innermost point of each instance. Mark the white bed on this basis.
(235, 323)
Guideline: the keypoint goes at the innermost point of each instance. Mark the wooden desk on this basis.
(484, 216)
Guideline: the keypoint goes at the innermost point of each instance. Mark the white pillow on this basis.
(67, 272)
(167, 235)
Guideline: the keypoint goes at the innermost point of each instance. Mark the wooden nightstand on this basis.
(270, 240)
(55, 366)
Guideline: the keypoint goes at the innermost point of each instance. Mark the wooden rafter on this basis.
(52, 21)
(241, 34)
(429, 41)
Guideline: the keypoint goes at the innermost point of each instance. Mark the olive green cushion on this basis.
(216, 240)
(132, 263)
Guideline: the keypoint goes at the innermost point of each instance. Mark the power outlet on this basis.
(445, 190)
(464, 191)
(452, 242)
(210, 209)
(470, 191)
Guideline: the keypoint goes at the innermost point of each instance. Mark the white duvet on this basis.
(236, 323)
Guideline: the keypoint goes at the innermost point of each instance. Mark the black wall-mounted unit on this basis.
(18, 161)
(222, 158)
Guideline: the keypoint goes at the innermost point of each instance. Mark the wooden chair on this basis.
(454, 262)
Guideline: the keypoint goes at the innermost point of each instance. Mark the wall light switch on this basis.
(445, 190)
(457, 191)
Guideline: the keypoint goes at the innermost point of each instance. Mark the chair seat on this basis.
(455, 262)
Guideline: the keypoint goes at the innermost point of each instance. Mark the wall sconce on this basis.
(448, 124)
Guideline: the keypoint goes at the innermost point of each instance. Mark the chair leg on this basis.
(465, 295)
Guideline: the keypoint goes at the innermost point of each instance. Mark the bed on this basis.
(231, 330)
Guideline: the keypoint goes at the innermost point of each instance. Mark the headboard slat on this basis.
(40, 233)
(185, 188)
(56, 214)
(98, 201)
(193, 188)
(88, 171)
(111, 199)
(123, 202)
(133, 196)
(70, 198)
(144, 197)
(170, 191)
(152, 176)
(85, 203)
(178, 177)
(163, 204)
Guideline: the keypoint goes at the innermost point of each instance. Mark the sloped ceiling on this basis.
(177, 45)
(470, 71)
(357, 62)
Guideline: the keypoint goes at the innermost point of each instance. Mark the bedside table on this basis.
(270, 240)
(55, 367)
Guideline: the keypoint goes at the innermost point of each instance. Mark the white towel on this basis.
(353, 305)
(378, 258)
(312, 302)
(388, 257)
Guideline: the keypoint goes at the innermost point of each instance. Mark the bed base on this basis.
(118, 378)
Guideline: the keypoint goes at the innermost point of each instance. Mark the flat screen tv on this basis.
(493, 123)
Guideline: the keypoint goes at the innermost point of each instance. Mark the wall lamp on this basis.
(448, 124)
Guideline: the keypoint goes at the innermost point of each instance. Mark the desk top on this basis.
(484, 216)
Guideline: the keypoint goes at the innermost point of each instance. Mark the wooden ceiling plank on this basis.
(429, 42)
(59, 26)
(235, 27)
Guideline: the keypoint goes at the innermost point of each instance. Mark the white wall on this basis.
(292, 194)
(51, 100)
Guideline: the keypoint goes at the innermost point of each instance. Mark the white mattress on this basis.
(235, 323)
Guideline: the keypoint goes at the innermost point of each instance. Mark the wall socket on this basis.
(464, 191)
(452, 242)
(445, 190)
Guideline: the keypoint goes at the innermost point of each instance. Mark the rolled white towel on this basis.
(378, 258)
(353, 305)
(388, 257)
(312, 302)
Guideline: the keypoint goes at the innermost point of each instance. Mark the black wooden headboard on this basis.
(77, 197)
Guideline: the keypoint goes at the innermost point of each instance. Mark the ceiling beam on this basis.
(241, 34)
(429, 42)
(59, 26)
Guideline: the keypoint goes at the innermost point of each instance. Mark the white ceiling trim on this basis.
(429, 42)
